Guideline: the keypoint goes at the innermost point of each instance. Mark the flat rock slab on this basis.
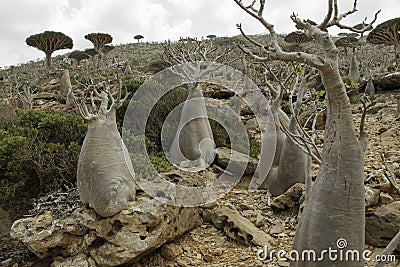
(382, 224)
(239, 228)
(237, 161)
(389, 81)
(86, 239)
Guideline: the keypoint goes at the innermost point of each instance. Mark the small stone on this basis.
(40, 102)
(290, 198)
(217, 252)
(382, 130)
(382, 224)
(283, 263)
(277, 228)
(171, 251)
(292, 233)
(237, 161)
(207, 216)
(386, 198)
(54, 81)
(7, 262)
(248, 213)
(371, 196)
(259, 219)
(208, 258)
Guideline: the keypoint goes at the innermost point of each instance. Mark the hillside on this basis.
(206, 245)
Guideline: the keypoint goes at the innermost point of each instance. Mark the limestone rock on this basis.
(290, 198)
(382, 224)
(236, 159)
(86, 239)
(239, 228)
(277, 228)
(371, 196)
(54, 81)
(218, 92)
(389, 81)
(385, 198)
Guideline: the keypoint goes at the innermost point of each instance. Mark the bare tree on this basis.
(48, 42)
(194, 140)
(336, 206)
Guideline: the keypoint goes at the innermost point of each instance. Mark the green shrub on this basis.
(8, 116)
(129, 86)
(143, 168)
(55, 127)
(39, 154)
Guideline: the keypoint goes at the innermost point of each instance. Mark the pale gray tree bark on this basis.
(105, 175)
(336, 206)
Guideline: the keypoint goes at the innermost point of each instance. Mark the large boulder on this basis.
(382, 224)
(237, 161)
(86, 239)
(389, 81)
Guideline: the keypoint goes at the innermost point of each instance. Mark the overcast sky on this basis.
(156, 20)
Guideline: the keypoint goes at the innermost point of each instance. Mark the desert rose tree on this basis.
(48, 42)
(336, 208)
(105, 176)
(194, 141)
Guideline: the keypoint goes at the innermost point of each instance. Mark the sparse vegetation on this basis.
(38, 153)
(48, 42)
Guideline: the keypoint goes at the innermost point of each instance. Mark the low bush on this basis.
(39, 153)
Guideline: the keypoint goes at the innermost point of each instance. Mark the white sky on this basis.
(156, 20)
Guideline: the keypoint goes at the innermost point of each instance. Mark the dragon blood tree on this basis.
(336, 207)
(387, 33)
(48, 42)
(78, 56)
(99, 41)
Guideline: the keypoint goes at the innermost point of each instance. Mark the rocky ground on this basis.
(207, 245)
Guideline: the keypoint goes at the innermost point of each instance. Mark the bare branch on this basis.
(393, 244)
(336, 21)
(326, 20)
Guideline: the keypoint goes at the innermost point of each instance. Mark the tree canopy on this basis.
(48, 42)
(78, 55)
(138, 37)
(386, 33)
(99, 40)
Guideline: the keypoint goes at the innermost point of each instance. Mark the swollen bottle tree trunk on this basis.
(105, 175)
(194, 140)
(354, 72)
(334, 218)
(276, 135)
(292, 161)
(336, 207)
